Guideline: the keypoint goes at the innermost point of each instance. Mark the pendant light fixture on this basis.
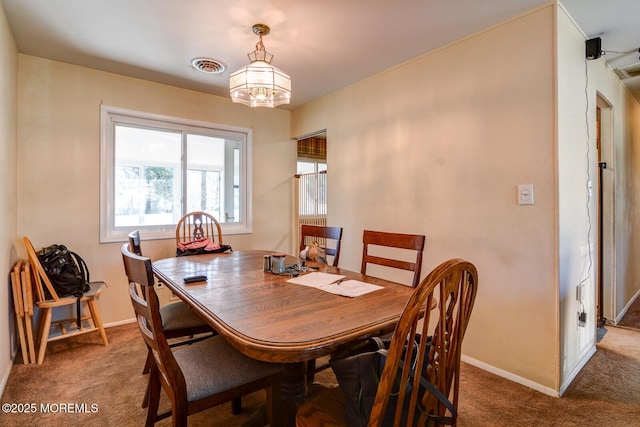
(260, 84)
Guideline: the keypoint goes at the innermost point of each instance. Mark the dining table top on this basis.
(269, 319)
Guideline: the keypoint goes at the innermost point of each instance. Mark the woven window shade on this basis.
(315, 148)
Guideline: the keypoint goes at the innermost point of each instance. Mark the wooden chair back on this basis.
(39, 275)
(453, 285)
(323, 235)
(394, 240)
(198, 225)
(146, 305)
(134, 242)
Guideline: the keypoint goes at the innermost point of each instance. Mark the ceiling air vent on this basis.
(208, 65)
(629, 71)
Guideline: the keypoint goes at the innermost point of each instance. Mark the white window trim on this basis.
(109, 233)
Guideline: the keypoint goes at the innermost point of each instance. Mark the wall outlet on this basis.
(582, 319)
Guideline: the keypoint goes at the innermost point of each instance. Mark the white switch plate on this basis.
(525, 194)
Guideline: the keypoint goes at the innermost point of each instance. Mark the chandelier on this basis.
(260, 84)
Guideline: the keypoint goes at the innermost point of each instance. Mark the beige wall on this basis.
(437, 146)
(8, 191)
(58, 159)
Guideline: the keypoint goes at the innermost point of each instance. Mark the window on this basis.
(311, 166)
(154, 169)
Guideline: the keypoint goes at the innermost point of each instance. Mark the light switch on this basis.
(525, 194)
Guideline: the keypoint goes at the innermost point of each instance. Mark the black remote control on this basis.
(193, 279)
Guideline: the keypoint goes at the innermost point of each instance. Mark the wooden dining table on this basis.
(269, 319)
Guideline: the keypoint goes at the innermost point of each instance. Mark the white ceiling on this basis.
(323, 45)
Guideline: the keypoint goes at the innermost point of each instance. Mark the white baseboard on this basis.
(590, 352)
(511, 377)
(119, 323)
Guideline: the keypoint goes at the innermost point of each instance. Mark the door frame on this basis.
(606, 212)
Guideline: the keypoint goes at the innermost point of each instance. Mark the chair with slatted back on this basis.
(198, 225)
(408, 242)
(197, 376)
(329, 239)
(178, 320)
(386, 241)
(180, 324)
(39, 281)
(431, 398)
(324, 236)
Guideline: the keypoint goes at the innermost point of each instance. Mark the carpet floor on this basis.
(83, 383)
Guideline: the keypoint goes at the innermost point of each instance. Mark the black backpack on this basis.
(66, 270)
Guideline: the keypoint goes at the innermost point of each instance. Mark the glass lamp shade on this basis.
(260, 84)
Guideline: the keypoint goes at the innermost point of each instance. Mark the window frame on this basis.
(110, 116)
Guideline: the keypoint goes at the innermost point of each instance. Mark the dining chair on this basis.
(38, 280)
(410, 242)
(323, 235)
(196, 376)
(198, 225)
(180, 324)
(178, 320)
(370, 239)
(424, 341)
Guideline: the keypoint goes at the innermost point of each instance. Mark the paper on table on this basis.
(327, 283)
(351, 288)
(316, 280)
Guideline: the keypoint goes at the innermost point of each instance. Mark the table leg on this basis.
(294, 390)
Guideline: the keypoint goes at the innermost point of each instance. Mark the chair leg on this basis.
(97, 320)
(236, 406)
(23, 342)
(147, 364)
(44, 333)
(180, 413)
(28, 325)
(153, 387)
(274, 403)
(311, 370)
(146, 370)
(145, 399)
